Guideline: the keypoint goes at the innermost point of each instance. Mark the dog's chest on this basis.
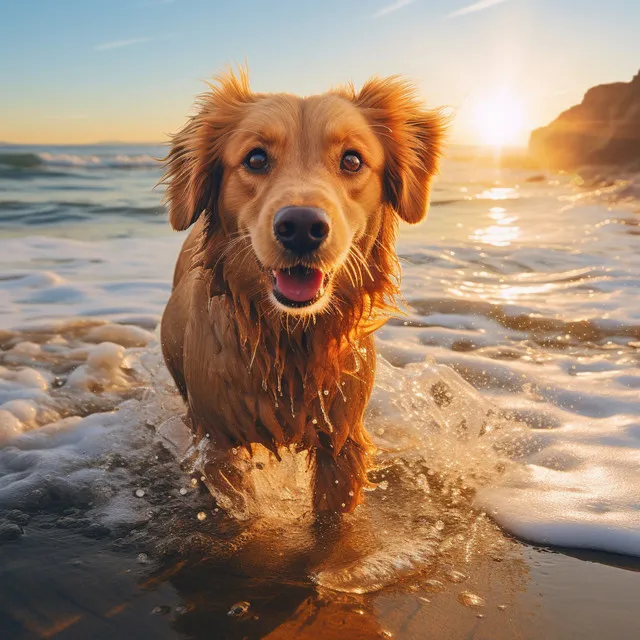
(269, 386)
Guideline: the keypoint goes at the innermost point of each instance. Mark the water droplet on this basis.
(343, 505)
(456, 576)
(351, 493)
(433, 585)
(139, 493)
(183, 491)
(238, 609)
(469, 599)
(208, 435)
(502, 607)
(314, 421)
(234, 451)
(326, 392)
(161, 610)
(336, 481)
(384, 485)
(202, 515)
(439, 525)
(202, 478)
(194, 482)
(143, 558)
(324, 413)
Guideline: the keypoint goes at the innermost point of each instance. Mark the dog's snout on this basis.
(301, 229)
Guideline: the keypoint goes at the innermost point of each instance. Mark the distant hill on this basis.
(121, 143)
(604, 129)
(103, 143)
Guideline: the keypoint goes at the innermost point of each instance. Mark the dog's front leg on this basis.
(339, 479)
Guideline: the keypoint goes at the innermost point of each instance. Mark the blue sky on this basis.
(76, 71)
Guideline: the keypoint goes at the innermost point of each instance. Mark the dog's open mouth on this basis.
(299, 286)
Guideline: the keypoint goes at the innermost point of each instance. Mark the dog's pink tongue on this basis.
(297, 286)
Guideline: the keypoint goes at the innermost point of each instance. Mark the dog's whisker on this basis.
(356, 266)
(358, 254)
(351, 270)
(347, 268)
(229, 246)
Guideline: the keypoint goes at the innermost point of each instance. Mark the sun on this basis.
(500, 119)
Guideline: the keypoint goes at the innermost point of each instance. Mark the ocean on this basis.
(506, 411)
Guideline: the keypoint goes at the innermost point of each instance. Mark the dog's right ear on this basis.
(193, 166)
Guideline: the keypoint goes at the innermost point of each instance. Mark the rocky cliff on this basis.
(604, 129)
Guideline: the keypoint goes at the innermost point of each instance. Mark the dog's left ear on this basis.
(412, 137)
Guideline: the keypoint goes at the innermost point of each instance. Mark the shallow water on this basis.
(507, 396)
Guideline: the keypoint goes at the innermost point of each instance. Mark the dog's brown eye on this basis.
(351, 161)
(256, 160)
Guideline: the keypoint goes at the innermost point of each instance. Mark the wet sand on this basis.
(58, 582)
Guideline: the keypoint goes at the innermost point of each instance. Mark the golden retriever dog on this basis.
(290, 266)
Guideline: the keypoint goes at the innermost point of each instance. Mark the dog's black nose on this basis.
(301, 229)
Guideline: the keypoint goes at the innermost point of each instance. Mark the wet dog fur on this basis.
(252, 366)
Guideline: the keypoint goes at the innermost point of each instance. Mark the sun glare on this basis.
(500, 120)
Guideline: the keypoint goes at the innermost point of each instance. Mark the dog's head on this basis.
(310, 188)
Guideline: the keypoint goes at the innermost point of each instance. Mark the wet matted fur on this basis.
(250, 369)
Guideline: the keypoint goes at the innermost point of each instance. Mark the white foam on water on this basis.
(119, 160)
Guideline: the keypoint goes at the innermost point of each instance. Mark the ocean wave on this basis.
(22, 160)
(119, 161)
(16, 213)
(551, 331)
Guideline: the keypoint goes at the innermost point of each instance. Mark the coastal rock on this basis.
(604, 129)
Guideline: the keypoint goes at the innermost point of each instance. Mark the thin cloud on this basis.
(118, 44)
(78, 116)
(391, 8)
(476, 6)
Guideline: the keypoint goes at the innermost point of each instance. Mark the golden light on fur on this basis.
(252, 368)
